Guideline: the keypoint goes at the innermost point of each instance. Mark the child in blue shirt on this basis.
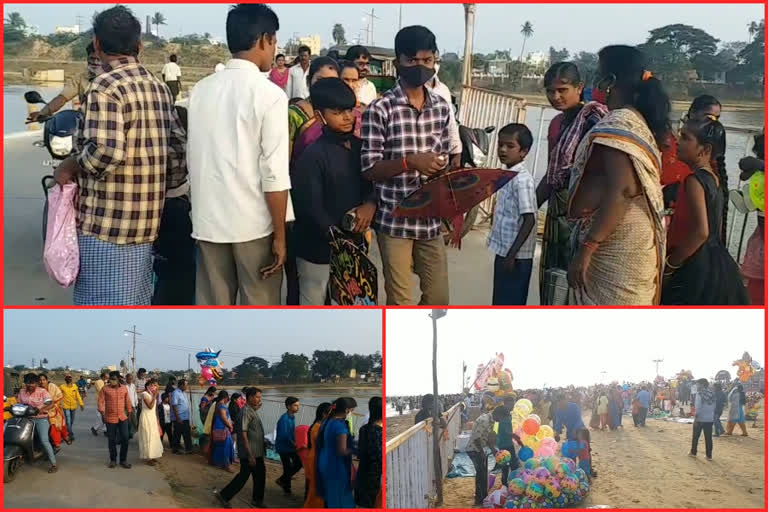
(513, 238)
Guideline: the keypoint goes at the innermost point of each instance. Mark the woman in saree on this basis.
(222, 454)
(313, 499)
(615, 203)
(279, 74)
(565, 92)
(58, 430)
(736, 401)
(335, 447)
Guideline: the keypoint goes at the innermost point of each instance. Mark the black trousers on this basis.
(179, 430)
(480, 461)
(291, 466)
(698, 426)
(641, 416)
(174, 252)
(291, 268)
(117, 433)
(175, 87)
(259, 474)
(167, 429)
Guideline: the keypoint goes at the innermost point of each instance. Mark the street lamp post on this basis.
(436, 314)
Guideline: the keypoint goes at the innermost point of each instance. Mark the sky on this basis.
(92, 338)
(576, 27)
(557, 348)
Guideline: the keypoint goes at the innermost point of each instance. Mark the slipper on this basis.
(53, 469)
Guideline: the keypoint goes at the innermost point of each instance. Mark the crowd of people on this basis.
(563, 409)
(233, 434)
(635, 211)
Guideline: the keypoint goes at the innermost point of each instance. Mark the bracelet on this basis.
(670, 266)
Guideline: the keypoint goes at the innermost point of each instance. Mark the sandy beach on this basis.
(650, 468)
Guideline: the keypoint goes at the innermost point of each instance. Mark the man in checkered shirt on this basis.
(406, 138)
(132, 159)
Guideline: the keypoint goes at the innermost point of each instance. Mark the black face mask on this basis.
(415, 76)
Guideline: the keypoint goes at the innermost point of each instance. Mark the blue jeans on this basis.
(69, 417)
(510, 288)
(718, 426)
(41, 432)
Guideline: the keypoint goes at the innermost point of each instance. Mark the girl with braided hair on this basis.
(699, 270)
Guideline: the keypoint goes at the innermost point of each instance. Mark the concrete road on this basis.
(84, 480)
(470, 269)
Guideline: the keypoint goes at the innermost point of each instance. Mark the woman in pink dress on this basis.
(279, 73)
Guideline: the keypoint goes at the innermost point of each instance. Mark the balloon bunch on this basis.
(538, 440)
(542, 482)
(747, 368)
(210, 366)
(494, 378)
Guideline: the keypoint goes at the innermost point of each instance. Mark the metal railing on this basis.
(481, 107)
(411, 480)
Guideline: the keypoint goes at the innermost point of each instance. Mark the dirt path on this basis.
(650, 468)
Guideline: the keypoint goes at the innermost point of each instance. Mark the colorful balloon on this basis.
(531, 426)
(516, 487)
(525, 453)
(503, 457)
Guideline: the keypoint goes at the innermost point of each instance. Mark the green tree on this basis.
(292, 367)
(20, 367)
(558, 56)
(753, 27)
(339, 35)
(14, 28)
(587, 64)
(527, 31)
(753, 58)
(327, 363)
(688, 40)
(479, 61)
(158, 19)
(252, 368)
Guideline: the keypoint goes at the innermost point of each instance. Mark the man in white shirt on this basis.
(134, 399)
(361, 57)
(238, 167)
(453, 126)
(172, 76)
(297, 76)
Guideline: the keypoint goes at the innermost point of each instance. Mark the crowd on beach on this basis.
(563, 410)
(233, 434)
(219, 204)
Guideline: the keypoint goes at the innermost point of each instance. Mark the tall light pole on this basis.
(372, 16)
(436, 314)
(657, 361)
(133, 354)
(400, 17)
(469, 35)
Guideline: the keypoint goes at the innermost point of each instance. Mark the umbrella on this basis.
(451, 195)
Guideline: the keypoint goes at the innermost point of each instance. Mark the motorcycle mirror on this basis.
(490, 129)
(48, 402)
(39, 144)
(33, 97)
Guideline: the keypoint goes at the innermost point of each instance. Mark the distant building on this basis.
(74, 29)
(537, 58)
(314, 42)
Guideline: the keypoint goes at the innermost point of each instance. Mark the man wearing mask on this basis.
(297, 76)
(124, 170)
(397, 165)
(74, 89)
(361, 57)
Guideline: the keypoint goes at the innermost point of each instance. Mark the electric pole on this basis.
(372, 17)
(436, 433)
(657, 361)
(400, 18)
(133, 354)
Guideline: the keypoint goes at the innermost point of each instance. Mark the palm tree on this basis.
(15, 20)
(527, 31)
(753, 27)
(338, 34)
(157, 20)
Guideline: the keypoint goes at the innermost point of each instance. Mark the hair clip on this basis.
(712, 117)
(647, 75)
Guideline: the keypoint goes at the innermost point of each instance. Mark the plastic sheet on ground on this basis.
(462, 466)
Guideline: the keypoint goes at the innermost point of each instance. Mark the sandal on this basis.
(53, 468)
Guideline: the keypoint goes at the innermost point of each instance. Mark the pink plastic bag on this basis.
(61, 254)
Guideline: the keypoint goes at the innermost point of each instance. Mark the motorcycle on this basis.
(475, 145)
(59, 138)
(19, 441)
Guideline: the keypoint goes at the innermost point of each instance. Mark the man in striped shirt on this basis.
(132, 158)
(406, 139)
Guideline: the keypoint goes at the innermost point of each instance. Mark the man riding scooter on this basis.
(33, 395)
